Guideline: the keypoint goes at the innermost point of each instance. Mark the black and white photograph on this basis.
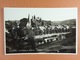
(40, 30)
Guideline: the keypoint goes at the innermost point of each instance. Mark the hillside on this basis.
(69, 22)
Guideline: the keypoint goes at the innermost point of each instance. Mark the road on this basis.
(48, 35)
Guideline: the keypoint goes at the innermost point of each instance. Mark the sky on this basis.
(49, 14)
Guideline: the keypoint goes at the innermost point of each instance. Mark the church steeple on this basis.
(29, 21)
(28, 17)
(34, 17)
